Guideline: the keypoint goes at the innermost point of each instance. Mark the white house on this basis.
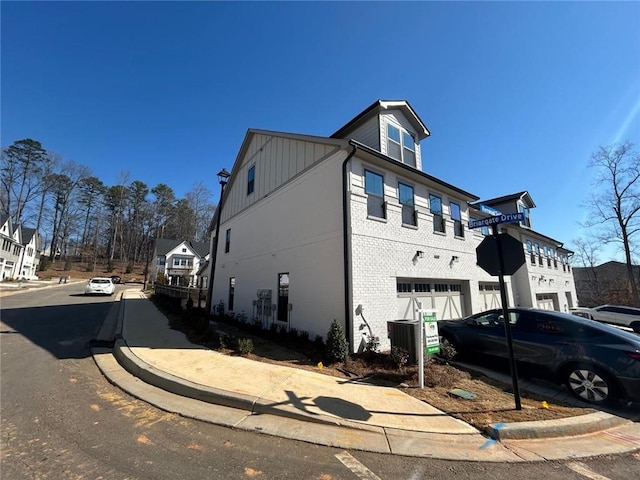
(179, 261)
(350, 227)
(10, 249)
(30, 254)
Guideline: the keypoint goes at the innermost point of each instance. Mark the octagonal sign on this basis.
(512, 254)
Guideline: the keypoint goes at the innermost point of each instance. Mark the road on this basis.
(62, 420)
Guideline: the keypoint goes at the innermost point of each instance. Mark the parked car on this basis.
(100, 285)
(597, 362)
(116, 279)
(614, 314)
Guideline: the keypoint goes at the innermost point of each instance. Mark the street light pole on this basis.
(223, 178)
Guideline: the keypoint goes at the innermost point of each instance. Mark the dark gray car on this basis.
(598, 363)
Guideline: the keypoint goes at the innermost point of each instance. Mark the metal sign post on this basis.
(491, 258)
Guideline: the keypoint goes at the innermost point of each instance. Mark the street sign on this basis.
(502, 218)
(487, 254)
(488, 210)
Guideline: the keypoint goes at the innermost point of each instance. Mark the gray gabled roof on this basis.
(524, 196)
(381, 105)
(165, 245)
(27, 235)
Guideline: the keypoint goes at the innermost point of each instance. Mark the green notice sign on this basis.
(430, 325)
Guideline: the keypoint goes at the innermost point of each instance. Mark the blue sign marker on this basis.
(489, 210)
(504, 218)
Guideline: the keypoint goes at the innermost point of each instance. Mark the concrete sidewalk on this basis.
(283, 401)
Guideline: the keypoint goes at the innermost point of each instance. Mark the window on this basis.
(161, 260)
(545, 249)
(422, 287)
(403, 150)
(408, 150)
(526, 222)
(454, 210)
(533, 258)
(227, 242)
(403, 287)
(405, 195)
(529, 246)
(232, 291)
(374, 188)
(435, 207)
(251, 180)
(393, 142)
(182, 262)
(184, 250)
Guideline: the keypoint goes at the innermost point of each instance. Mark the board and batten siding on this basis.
(277, 160)
(295, 230)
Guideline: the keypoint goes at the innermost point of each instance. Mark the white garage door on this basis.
(490, 295)
(544, 301)
(446, 298)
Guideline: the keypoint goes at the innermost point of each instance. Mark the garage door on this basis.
(490, 295)
(446, 298)
(545, 301)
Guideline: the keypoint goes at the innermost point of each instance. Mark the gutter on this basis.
(345, 251)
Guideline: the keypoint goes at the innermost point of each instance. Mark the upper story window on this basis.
(251, 177)
(454, 210)
(408, 150)
(401, 145)
(529, 246)
(374, 188)
(227, 241)
(527, 219)
(405, 195)
(435, 207)
(184, 250)
(182, 262)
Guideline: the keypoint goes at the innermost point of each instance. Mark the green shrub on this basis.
(45, 263)
(304, 336)
(245, 346)
(337, 347)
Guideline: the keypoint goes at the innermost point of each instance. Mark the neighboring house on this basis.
(179, 261)
(545, 281)
(607, 283)
(349, 227)
(10, 249)
(30, 255)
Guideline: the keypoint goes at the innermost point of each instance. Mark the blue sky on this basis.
(516, 95)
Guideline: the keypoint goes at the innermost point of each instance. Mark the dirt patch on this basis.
(493, 401)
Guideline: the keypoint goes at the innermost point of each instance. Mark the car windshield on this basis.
(100, 280)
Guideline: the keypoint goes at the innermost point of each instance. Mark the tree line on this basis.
(78, 216)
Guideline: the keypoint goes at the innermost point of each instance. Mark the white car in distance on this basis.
(614, 314)
(100, 285)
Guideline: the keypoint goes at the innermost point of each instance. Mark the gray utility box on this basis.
(402, 333)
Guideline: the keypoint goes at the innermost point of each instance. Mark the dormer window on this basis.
(401, 145)
(526, 222)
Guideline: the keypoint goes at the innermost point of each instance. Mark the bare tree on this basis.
(20, 176)
(615, 202)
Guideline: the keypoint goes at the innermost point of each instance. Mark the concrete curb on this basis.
(564, 427)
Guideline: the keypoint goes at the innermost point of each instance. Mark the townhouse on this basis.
(350, 227)
(19, 251)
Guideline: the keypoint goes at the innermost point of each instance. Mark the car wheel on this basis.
(635, 326)
(590, 384)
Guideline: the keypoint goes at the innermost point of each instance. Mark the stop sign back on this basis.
(512, 254)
